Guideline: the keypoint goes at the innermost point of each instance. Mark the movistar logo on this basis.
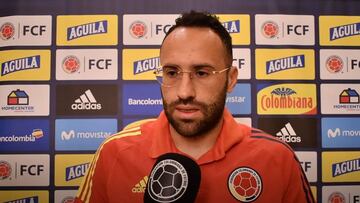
(344, 133)
(93, 28)
(232, 26)
(31, 62)
(281, 64)
(146, 65)
(84, 135)
(344, 31)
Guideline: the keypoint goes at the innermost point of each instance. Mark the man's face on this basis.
(194, 108)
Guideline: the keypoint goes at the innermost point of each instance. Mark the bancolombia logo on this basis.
(86, 100)
(288, 99)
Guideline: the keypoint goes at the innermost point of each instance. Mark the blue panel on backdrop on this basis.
(142, 99)
(20, 135)
(82, 134)
(239, 100)
(340, 132)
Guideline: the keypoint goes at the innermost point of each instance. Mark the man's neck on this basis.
(196, 146)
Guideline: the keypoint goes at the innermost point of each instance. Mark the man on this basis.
(238, 163)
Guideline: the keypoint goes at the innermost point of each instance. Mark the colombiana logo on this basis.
(168, 181)
(5, 170)
(71, 64)
(336, 197)
(245, 184)
(270, 29)
(138, 29)
(284, 97)
(334, 64)
(7, 31)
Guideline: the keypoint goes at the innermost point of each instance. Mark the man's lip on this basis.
(187, 108)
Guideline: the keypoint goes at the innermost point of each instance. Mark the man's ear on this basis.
(232, 78)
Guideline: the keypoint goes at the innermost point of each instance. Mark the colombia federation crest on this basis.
(245, 184)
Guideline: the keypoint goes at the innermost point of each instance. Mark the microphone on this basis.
(174, 178)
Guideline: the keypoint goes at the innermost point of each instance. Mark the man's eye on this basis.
(202, 73)
(171, 73)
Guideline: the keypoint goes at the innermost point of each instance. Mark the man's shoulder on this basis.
(267, 142)
(129, 138)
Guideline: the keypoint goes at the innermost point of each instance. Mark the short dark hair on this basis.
(205, 20)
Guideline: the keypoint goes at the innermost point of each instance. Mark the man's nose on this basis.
(185, 87)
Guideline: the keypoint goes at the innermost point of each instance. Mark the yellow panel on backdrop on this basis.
(24, 196)
(25, 65)
(285, 64)
(341, 166)
(238, 26)
(75, 30)
(139, 64)
(339, 30)
(71, 168)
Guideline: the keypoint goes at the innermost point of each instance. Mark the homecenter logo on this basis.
(82, 134)
(342, 132)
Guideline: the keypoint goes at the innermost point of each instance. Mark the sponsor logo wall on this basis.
(69, 80)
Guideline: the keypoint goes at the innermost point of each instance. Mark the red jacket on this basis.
(244, 165)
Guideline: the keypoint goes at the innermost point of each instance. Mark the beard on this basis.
(212, 114)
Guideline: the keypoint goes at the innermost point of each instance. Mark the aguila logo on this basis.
(334, 64)
(71, 64)
(138, 29)
(7, 31)
(245, 184)
(270, 29)
(5, 170)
